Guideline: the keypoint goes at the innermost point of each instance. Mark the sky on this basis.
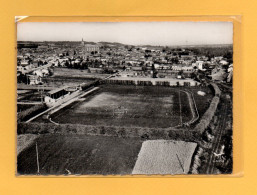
(133, 33)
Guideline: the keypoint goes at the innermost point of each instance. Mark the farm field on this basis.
(31, 95)
(23, 107)
(128, 106)
(64, 81)
(24, 141)
(80, 154)
(76, 73)
(164, 157)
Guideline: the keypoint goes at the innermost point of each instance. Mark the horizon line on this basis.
(131, 44)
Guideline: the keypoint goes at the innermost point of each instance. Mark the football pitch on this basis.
(128, 106)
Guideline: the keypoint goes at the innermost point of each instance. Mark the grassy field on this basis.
(202, 102)
(64, 81)
(80, 154)
(76, 73)
(33, 95)
(22, 107)
(24, 141)
(164, 157)
(129, 106)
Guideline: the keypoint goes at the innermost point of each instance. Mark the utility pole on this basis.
(37, 159)
(180, 109)
(180, 163)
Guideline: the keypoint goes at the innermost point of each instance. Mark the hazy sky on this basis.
(134, 33)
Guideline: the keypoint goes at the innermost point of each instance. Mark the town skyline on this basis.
(89, 42)
(131, 33)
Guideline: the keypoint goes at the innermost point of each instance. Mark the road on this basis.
(29, 103)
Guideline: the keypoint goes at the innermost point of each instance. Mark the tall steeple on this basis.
(82, 42)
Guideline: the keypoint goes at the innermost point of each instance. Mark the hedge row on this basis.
(216, 89)
(196, 161)
(145, 133)
(33, 111)
(208, 115)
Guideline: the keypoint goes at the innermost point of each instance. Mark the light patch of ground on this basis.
(67, 72)
(105, 99)
(24, 141)
(164, 157)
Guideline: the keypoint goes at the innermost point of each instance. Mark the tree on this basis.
(51, 71)
(174, 60)
(180, 72)
(229, 56)
(67, 64)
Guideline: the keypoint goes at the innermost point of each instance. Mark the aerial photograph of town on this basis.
(124, 98)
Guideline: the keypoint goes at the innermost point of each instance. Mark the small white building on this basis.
(53, 96)
(223, 62)
(38, 73)
(91, 47)
(199, 64)
(23, 68)
(34, 79)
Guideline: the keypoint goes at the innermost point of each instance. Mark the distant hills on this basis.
(121, 44)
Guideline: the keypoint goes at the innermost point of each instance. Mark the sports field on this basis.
(129, 106)
(79, 154)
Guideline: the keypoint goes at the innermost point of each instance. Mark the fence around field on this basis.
(151, 82)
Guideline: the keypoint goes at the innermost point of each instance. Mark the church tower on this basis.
(82, 42)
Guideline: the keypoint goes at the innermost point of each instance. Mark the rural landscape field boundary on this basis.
(144, 133)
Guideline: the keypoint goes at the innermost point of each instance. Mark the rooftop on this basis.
(57, 90)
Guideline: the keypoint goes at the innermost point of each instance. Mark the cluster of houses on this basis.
(30, 71)
(101, 57)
